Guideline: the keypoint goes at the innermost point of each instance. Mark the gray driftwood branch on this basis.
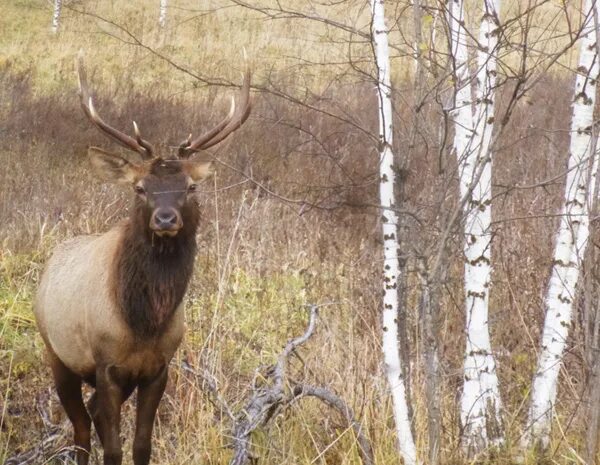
(266, 401)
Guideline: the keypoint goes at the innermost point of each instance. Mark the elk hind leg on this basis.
(68, 386)
(94, 411)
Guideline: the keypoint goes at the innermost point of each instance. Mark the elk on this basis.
(109, 306)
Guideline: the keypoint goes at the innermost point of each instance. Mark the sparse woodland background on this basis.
(291, 216)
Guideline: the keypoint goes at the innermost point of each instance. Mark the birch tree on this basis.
(162, 15)
(56, 15)
(570, 242)
(391, 268)
(480, 401)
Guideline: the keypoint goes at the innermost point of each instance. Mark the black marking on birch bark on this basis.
(389, 236)
(480, 259)
(574, 202)
(386, 267)
(559, 262)
(388, 306)
(478, 295)
(479, 205)
(563, 299)
(384, 178)
(587, 131)
(384, 218)
(385, 329)
(585, 99)
(483, 352)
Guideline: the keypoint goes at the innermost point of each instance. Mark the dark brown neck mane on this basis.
(152, 272)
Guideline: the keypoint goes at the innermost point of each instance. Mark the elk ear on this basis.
(111, 167)
(199, 169)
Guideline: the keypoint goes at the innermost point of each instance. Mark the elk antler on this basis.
(236, 117)
(143, 147)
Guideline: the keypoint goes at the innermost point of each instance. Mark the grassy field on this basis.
(286, 220)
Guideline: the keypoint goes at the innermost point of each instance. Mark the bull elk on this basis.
(109, 306)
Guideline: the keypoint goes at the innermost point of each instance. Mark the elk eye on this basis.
(192, 187)
(139, 190)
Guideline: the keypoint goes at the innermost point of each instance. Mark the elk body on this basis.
(109, 307)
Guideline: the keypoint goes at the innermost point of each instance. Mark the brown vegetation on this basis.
(288, 219)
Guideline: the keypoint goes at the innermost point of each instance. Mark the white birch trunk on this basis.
(391, 268)
(162, 16)
(570, 242)
(56, 15)
(480, 401)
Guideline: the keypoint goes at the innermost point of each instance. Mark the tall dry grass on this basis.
(287, 220)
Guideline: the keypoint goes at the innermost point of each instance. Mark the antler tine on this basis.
(187, 147)
(141, 146)
(236, 117)
(144, 143)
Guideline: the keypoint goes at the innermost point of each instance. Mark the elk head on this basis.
(164, 187)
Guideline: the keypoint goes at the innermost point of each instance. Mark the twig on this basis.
(208, 383)
(336, 402)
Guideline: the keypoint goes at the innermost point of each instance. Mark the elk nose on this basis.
(166, 219)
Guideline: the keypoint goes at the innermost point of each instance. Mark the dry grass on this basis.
(261, 258)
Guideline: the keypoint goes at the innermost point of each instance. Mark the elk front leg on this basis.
(110, 396)
(94, 410)
(68, 386)
(149, 395)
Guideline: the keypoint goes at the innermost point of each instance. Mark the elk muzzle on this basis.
(166, 221)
